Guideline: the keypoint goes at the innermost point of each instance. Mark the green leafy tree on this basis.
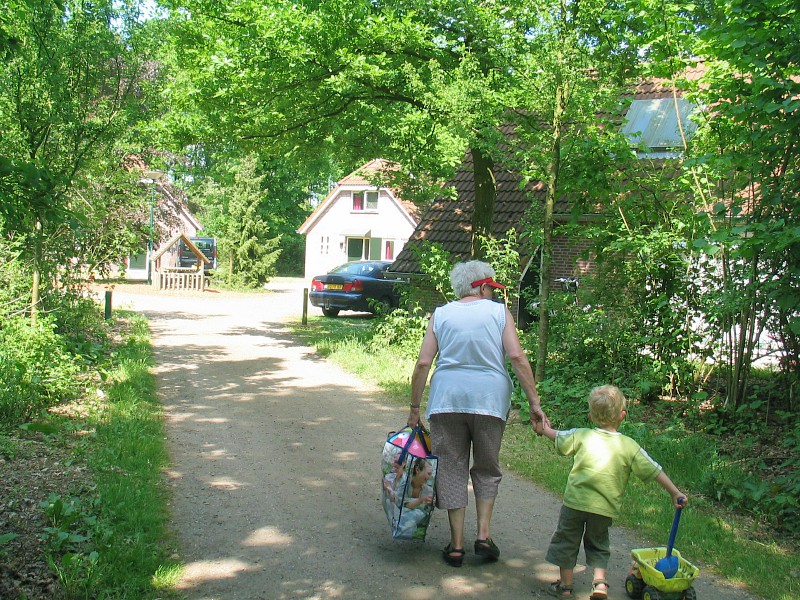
(64, 88)
(247, 252)
(415, 82)
(572, 61)
(748, 162)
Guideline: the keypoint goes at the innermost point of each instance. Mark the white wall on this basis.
(326, 239)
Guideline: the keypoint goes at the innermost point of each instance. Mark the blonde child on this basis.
(603, 462)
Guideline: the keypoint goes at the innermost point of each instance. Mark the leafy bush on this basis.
(79, 321)
(748, 484)
(436, 263)
(503, 255)
(36, 370)
(601, 341)
(402, 329)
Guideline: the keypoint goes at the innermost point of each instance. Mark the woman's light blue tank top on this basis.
(470, 375)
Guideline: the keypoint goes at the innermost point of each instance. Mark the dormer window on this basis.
(366, 200)
(652, 126)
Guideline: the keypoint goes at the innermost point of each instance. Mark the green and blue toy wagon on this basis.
(648, 583)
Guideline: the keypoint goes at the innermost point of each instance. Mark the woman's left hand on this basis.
(538, 417)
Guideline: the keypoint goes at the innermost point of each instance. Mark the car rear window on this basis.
(357, 269)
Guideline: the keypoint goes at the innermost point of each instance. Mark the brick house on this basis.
(653, 126)
(447, 222)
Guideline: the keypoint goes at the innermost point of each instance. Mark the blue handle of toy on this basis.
(674, 530)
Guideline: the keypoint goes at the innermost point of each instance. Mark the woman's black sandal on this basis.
(487, 548)
(453, 556)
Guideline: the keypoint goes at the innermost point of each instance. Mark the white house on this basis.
(357, 221)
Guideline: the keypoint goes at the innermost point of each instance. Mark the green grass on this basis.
(125, 515)
(128, 461)
(348, 342)
(708, 537)
(712, 538)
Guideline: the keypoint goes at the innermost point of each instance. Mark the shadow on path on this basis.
(276, 473)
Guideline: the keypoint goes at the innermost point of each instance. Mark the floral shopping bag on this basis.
(409, 482)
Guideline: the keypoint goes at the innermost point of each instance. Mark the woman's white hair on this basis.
(464, 273)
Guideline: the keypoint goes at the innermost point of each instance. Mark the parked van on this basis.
(207, 245)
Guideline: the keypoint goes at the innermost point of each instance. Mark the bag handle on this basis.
(416, 431)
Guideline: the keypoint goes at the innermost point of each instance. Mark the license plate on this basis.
(333, 286)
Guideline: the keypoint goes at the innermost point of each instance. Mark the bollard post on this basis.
(108, 305)
(305, 306)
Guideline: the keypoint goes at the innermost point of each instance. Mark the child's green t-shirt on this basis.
(603, 463)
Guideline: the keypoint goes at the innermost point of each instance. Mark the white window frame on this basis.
(369, 201)
(364, 247)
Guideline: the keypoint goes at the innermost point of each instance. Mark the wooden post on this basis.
(107, 313)
(305, 306)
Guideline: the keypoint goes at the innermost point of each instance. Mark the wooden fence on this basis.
(180, 279)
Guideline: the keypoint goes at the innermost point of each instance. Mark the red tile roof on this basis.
(364, 176)
(651, 89)
(449, 222)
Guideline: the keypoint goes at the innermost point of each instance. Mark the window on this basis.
(365, 200)
(388, 250)
(357, 249)
(325, 242)
(652, 126)
(137, 261)
(364, 248)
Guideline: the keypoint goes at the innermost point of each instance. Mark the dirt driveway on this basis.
(276, 471)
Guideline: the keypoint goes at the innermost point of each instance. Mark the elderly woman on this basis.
(470, 398)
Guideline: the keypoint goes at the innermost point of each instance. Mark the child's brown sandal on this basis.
(599, 594)
(559, 590)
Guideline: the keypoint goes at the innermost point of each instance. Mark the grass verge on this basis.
(709, 537)
(105, 534)
(127, 461)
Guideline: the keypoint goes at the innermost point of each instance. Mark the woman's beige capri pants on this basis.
(452, 436)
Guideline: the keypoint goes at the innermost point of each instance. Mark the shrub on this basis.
(36, 370)
(401, 329)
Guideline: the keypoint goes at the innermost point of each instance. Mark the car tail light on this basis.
(355, 286)
(317, 285)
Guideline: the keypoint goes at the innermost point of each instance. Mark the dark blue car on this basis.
(359, 286)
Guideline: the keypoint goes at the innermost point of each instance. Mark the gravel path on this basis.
(275, 470)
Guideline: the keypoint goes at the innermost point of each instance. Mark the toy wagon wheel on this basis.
(690, 594)
(634, 586)
(651, 593)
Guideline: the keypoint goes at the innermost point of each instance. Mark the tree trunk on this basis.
(553, 167)
(485, 196)
(37, 273)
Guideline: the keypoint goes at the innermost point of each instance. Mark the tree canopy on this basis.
(303, 92)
